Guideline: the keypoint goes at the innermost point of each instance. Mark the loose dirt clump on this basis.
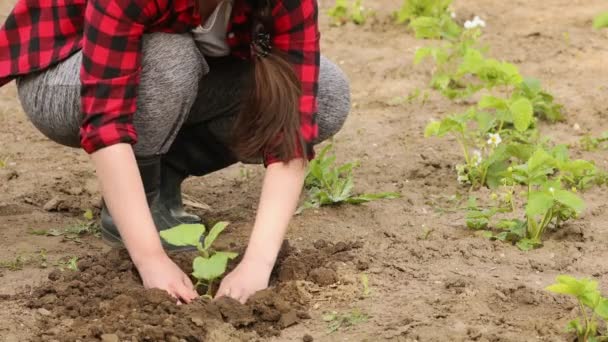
(104, 300)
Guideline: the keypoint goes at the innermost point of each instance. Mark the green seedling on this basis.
(592, 305)
(210, 264)
(327, 184)
(590, 143)
(69, 264)
(336, 321)
(345, 11)
(601, 21)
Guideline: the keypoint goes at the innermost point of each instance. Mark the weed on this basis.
(328, 184)
(336, 321)
(68, 264)
(15, 264)
(601, 21)
(590, 143)
(210, 265)
(592, 306)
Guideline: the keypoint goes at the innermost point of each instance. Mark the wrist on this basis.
(260, 262)
(142, 255)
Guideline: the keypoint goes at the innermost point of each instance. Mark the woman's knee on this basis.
(333, 100)
(172, 67)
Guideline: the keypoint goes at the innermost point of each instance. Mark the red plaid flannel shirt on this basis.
(40, 33)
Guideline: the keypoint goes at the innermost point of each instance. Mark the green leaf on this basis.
(493, 102)
(211, 268)
(539, 202)
(214, 233)
(601, 21)
(570, 200)
(539, 160)
(363, 198)
(528, 244)
(88, 214)
(602, 308)
(421, 54)
(522, 113)
(184, 234)
(432, 129)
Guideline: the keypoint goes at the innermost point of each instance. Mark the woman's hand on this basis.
(160, 272)
(280, 193)
(123, 192)
(249, 277)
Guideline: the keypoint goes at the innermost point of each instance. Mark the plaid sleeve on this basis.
(111, 64)
(296, 33)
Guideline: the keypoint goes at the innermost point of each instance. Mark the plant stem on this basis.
(209, 287)
(584, 313)
(544, 223)
(464, 149)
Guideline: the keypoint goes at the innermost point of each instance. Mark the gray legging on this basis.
(176, 89)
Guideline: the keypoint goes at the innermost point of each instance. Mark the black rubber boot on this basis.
(171, 194)
(195, 152)
(149, 169)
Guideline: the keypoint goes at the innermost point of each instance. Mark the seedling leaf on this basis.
(210, 268)
(214, 233)
(184, 234)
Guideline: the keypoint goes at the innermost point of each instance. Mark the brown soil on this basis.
(105, 299)
(430, 279)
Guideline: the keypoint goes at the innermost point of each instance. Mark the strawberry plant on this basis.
(429, 19)
(327, 184)
(343, 12)
(547, 203)
(590, 143)
(592, 307)
(210, 264)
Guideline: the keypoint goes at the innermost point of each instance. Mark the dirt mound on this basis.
(106, 301)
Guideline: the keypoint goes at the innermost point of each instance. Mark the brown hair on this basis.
(269, 121)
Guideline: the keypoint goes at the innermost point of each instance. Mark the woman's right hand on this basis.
(123, 192)
(160, 272)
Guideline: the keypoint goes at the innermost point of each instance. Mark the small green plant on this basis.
(327, 184)
(430, 19)
(336, 321)
(601, 21)
(345, 11)
(592, 305)
(590, 143)
(68, 264)
(75, 231)
(545, 202)
(210, 264)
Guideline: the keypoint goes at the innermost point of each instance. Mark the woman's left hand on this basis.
(249, 277)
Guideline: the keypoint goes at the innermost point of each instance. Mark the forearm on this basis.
(279, 199)
(123, 193)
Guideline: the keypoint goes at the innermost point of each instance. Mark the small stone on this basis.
(109, 338)
(307, 338)
(53, 204)
(44, 312)
(362, 265)
(197, 321)
(288, 319)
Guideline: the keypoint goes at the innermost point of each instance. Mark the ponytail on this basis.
(269, 122)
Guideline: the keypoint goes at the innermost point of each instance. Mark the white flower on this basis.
(551, 190)
(476, 22)
(477, 157)
(494, 139)
(453, 14)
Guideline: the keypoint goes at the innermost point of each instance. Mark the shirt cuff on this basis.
(94, 139)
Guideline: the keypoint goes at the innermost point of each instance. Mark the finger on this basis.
(188, 284)
(184, 293)
(222, 291)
